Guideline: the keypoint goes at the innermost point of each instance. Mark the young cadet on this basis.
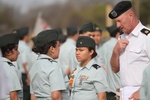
(98, 35)
(87, 29)
(106, 50)
(67, 58)
(88, 81)
(46, 77)
(9, 48)
(97, 39)
(24, 59)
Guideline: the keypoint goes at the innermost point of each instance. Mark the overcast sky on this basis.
(24, 5)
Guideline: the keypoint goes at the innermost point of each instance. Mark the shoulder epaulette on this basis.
(145, 31)
(10, 64)
(96, 66)
(49, 59)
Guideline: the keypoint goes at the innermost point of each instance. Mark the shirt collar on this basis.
(89, 65)
(137, 29)
(21, 41)
(71, 40)
(42, 56)
(3, 59)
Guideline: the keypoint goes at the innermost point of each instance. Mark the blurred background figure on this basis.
(24, 59)
(145, 86)
(87, 29)
(106, 50)
(97, 39)
(61, 37)
(67, 56)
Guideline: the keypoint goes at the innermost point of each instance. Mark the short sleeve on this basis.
(56, 79)
(147, 46)
(100, 80)
(101, 58)
(14, 81)
(72, 60)
(24, 56)
(31, 90)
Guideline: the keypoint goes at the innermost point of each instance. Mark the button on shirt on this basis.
(88, 81)
(45, 77)
(135, 58)
(11, 74)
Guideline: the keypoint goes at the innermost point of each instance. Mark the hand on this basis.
(68, 71)
(135, 96)
(28, 81)
(121, 45)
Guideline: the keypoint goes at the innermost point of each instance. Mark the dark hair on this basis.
(82, 32)
(100, 31)
(44, 49)
(8, 48)
(94, 54)
(62, 38)
(114, 33)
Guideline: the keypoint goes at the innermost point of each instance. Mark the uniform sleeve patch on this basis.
(96, 66)
(145, 31)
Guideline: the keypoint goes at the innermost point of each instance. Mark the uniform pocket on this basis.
(135, 50)
(87, 84)
(134, 55)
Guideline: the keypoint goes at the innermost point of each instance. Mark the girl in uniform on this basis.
(9, 48)
(46, 77)
(88, 81)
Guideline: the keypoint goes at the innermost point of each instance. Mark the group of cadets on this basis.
(78, 66)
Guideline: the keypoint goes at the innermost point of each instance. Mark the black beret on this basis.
(22, 32)
(59, 30)
(8, 39)
(85, 41)
(120, 8)
(46, 36)
(113, 30)
(33, 39)
(62, 38)
(97, 28)
(72, 30)
(87, 27)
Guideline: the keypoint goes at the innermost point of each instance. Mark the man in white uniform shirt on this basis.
(131, 54)
(67, 58)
